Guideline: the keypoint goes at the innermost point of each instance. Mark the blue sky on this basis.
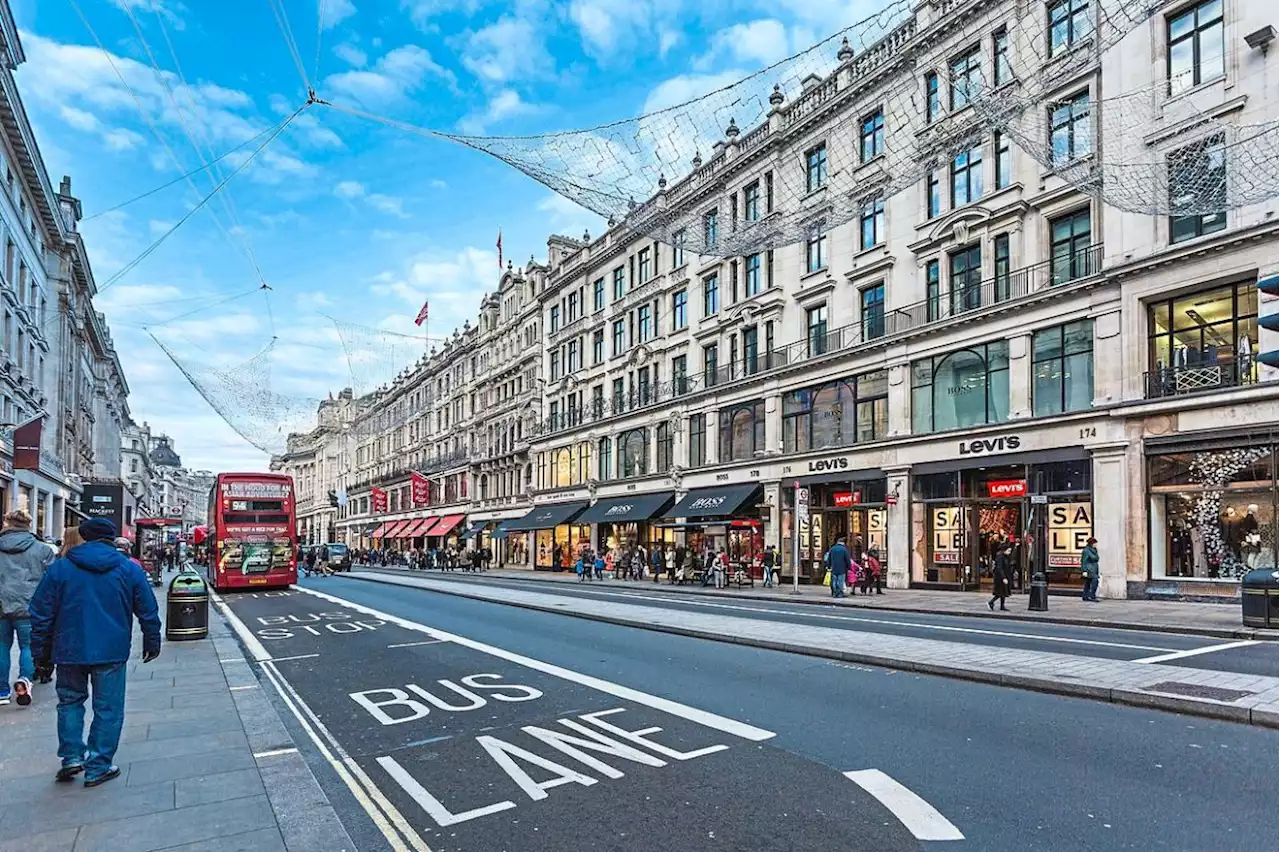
(344, 216)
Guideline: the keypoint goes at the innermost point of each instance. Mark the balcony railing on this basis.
(821, 341)
(1177, 381)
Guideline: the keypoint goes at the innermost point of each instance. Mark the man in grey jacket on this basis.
(23, 560)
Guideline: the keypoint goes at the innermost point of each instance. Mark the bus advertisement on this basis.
(252, 536)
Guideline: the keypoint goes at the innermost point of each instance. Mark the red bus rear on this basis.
(253, 541)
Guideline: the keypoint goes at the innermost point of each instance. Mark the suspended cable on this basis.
(315, 72)
(197, 310)
(282, 20)
(155, 245)
(271, 320)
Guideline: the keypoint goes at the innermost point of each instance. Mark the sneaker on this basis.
(68, 772)
(112, 772)
(22, 691)
(4, 698)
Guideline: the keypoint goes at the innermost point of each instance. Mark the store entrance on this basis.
(999, 523)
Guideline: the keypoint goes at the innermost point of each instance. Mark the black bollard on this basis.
(1038, 600)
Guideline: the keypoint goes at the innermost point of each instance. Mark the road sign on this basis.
(1039, 499)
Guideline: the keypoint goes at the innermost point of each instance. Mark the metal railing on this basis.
(1177, 381)
(821, 341)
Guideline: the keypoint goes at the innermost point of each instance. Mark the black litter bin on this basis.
(1260, 598)
(188, 610)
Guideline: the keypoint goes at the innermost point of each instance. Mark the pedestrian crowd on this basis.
(450, 557)
(859, 569)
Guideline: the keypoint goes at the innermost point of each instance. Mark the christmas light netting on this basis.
(376, 357)
(826, 133)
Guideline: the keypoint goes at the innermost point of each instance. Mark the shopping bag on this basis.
(826, 580)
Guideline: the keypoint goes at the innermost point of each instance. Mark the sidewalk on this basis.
(1200, 619)
(1251, 699)
(206, 765)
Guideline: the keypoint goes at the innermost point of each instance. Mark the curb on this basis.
(1130, 697)
(1212, 632)
(304, 815)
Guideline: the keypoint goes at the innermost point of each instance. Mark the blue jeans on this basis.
(1090, 589)
(9, 627)
(837, 584)
(108, 715)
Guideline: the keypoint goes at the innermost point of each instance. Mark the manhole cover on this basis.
(1195, 690)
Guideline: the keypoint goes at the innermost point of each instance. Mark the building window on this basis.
(751, 269)
(816, 168)
(1196, 46)
(606, 459)
(644, 323)
(619, 283)
(815, 248)
(597, 294)
(555, 318)
(742, 431)
(968, 387)
(1001, 246)
(932, 290)
(750, 350)
(1070, 129)
(619, 396)
(934, 193)
(751, 202)
(710, 227)
(680, 374)
(645, 266)
(677, 248)
(872, 135)
(597, 346)
(966, 78)
(619, 337)
(573, 356)
(966, 177)
(697, 441)
(1070, 254)
(872, 230)
(1198, 180)
(633, 453)
(872, 311)
(836, 414)
(1062, 368)
(680, 309)
(665, 440)
(1000, 56)
(710, 364)
(816, 323)
(1004, 160)
(710, 295)
(1203, 340)
(932, 100)
(1069, 24)
(966, 279)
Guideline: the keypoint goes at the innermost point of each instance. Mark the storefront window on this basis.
(742, 430)
(1062, 364)
(1203, 340)
(633, 453)
(969, 387)
(666, 446)
(836, 414)
(557, 549)
(1212, 512)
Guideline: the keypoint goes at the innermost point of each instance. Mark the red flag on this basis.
(378, 499)
(26, 445)
(422, 314)
(420, 488)
(499, 248)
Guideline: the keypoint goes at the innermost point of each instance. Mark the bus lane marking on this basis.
(918, 816)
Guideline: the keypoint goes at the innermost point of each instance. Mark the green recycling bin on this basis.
(187, 614)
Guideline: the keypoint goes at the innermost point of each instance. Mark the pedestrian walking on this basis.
(581, 568)
(767, 563)
(1002, 579)
(838, 564)
(670, 560)
(600, 565)
(322, 561)
(1089, 569)
(23, 560)
(872, 570)
(82, 622)
(656, 562)
(721, 568)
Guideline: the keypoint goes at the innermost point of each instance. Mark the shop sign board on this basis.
(948, 535)
(1070, 525)
(1002, 488)
(846, 499)
(982, 446)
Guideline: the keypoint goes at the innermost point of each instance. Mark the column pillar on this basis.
(897, 564)
(773, 523)
(773, 423)
(1020, 377)
(1108, 359)
(713, 437)
(1110, 518)
(48, 515)
(899, 400)
(651, 434)
(679, 442)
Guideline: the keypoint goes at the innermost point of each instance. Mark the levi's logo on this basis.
(979, 446)
(823, 465)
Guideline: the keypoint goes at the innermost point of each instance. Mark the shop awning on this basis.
(546, 517)
(393, 529)
(637, 507)
(445, 525)
(415, 529)
(714, 502)
(1057, 454)
(500, 531)
(474, 529)
(380, 531)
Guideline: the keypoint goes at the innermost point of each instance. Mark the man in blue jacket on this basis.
(82, 622)
(838, 563)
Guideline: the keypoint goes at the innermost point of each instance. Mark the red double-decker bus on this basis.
(253, 541)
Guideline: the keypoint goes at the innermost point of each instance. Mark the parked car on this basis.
(339, 556)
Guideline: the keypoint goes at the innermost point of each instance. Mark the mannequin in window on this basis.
(1244, 359)
(1231, 534)
(1250, 539)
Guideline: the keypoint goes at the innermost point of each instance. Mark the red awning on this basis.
(415, 529)
(378, 533)
(446, 524)
(428, 528)
(393, 529)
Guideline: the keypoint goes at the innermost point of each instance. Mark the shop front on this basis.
(623, 522)
(727, 517)
(1212, 510)
(842, 502)
(964, 513)
(558, 537)
(443, 532)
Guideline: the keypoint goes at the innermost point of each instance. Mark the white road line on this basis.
(275, 752)
(257, 650)
(920, 818)
(295, 657)
(416, 644)
(861, 620)
(675, 708)
(1195, 652)
(239, 688)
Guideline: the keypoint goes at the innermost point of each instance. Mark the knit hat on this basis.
(96, 529)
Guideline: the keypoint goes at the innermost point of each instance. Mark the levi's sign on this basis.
(845, 499)
(981, 446)
(829, 465)
(1007, 488)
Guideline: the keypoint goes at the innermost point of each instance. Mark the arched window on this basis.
(561, 468)
(606, 459)
(964, 388)
(741, 430)
(633, 453)
(484, 487)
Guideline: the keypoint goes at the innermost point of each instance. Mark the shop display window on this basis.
(968, 387)
(836, 414)
(1203, 340)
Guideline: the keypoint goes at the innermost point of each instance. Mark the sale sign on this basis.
(999, 489)
(1070, 525)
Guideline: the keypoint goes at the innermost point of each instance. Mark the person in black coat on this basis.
(1002, 580)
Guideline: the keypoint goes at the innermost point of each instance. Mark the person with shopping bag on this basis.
(839, 563)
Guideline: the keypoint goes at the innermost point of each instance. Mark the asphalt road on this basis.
(1261, 658)
(484, 727)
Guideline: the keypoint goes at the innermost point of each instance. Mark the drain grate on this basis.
(1195, 690)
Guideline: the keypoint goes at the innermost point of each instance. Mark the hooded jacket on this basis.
(23, 560)
(82, 611)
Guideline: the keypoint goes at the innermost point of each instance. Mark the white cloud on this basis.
(158, 227)
(610, 29)
(333, 12)
(686, 87)
(568, 218)
(397, 73)
(510, 48)
(79, 119)
(423, 11)
(452, 281)
(350, 190)
(172, 12)
(756, 43)
(351, 55)
(122, 139)
(436, 183)
(505, 104)
(667, 41)
(314, 299)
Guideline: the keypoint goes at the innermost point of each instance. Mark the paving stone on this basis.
(224, 786)
(263, 840)
(165, 830)
(62, 840)
(208, 763)
(54, 809)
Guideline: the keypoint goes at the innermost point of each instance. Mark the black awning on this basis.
(499, 532)
(473, 529)
(1059, 454)
(546, 517)
(862, 475)
(714, 502)
(637, 507)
